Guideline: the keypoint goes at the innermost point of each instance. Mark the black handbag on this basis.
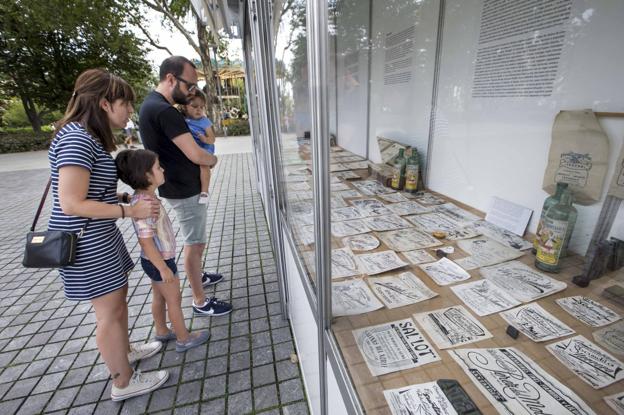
(50, 249)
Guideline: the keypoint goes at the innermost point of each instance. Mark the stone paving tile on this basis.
(48, 355)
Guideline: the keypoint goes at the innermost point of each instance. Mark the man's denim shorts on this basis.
(153, 272)
(192, 218)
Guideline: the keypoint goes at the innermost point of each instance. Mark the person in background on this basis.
(164, 131)
(129, 133)
(201, 128)
(84, 183)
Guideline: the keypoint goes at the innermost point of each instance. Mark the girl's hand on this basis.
(167, 275)
(145, 209)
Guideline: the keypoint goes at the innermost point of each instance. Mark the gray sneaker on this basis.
(165, 338)
(140, 384)
(196, 339)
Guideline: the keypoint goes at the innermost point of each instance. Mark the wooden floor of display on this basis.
(370, 388)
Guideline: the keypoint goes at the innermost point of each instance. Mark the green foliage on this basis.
(15, 116)
(237, 126)
(19, 140)
(45, 45)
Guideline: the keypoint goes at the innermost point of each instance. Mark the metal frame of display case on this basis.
(258, 29)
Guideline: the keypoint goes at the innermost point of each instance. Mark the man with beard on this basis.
(165, 132)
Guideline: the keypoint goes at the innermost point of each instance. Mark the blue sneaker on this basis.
(212, 307)
(209, 278)
(195, 339)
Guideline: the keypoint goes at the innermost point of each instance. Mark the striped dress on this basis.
(102, 260)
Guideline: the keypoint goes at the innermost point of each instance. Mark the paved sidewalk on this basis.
(48, 356)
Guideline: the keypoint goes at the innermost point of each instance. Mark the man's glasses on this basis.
(189, 85)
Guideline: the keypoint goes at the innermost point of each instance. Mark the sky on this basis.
(176, 42)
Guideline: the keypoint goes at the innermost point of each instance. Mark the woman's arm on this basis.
(73, 187)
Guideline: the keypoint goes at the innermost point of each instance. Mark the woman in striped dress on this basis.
(84, 184)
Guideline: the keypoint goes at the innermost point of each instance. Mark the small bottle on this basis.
(553, 234)
(548, 203)
(411, 172)
(398, 175)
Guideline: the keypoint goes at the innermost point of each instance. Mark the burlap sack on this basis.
(579, 156)
(617, 182)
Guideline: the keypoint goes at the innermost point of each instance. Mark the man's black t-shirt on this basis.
(159, 123)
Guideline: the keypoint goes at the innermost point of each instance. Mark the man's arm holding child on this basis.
(193, 152)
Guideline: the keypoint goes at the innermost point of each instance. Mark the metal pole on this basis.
(317, 21)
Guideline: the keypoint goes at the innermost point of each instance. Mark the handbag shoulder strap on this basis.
(40, 208)
(42, 202)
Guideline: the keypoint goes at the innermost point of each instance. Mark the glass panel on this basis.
(291, 66)
(476, 117)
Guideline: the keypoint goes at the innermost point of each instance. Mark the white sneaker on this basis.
(203, 198)
(140, 384)
(143, 351)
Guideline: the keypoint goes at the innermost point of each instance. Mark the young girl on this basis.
(201, 128)
(141, 170)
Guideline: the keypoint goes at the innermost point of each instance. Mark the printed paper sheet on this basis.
(588, 361)
(419, 256)
(394, 346)
(611, 338)
(378, 262)
(408, 240)
(352, 297)
(349, 228)
(463, 233)
(364, 242)
(429, 199)
(372, 188)
(387, 223)
(484, 298)
(434, 221)
(452, 326)
(483, 252)
(521, 281)
(394, 197)
(588, 311)
(445, 272)
(515, 385)
(343, 263)
(536, 323)
(407, 208)
(370, 207)
(616, 402)
(457, 214)
(502, 235)
(400, 290)
(346, 213)
(423, 399)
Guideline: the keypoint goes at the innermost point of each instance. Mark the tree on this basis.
(174, 12)
(45, 45)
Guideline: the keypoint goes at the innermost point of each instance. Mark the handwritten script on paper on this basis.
(424, 399)
(611, 337)
(394, 346)
(588, 311)
(536, 323)
(514, 385)
(588, 361)
(353, 297)
(452, 326)
(445, 272)
(484, 298)
(400, 290)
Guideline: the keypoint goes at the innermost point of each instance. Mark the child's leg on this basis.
(170, 291)
(158, 310)
(204, 176)
(208, 176)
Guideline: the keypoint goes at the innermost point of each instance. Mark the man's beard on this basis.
(178, 96)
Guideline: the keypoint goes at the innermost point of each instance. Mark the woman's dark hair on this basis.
(91, 87)
(195, 94)
(133, 166)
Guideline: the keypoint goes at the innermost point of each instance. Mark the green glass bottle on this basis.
(553, 234)
(398, 175)
(548, 203)
(572, 223)
(411, 172)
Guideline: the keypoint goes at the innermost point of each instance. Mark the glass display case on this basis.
(392, 128)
